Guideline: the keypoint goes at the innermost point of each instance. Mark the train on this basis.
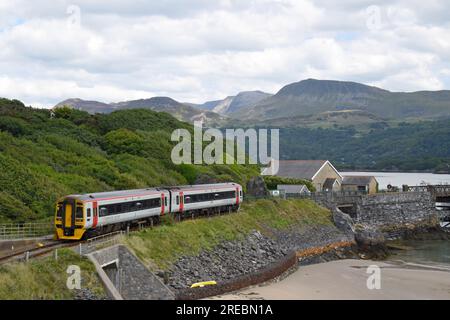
(84, 216)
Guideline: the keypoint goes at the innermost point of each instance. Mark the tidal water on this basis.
(400, 178)
(429, 252)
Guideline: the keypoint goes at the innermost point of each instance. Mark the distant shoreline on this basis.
(394, 171)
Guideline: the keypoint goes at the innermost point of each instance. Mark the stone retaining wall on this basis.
(396, 209)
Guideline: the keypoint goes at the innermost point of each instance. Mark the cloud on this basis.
(200, 49)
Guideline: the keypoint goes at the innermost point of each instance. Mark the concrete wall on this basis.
(326, 172)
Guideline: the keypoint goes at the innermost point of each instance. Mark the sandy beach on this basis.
(347, 279)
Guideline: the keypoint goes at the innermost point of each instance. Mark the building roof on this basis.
(301, 169)
(293, 188)
(357, 180)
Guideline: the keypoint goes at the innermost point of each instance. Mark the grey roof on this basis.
(140, 192)
(293, 188)
(358, 180)
(299, 169)
(328, 184)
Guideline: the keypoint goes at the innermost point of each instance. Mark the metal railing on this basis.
(28, 230)
(103, 241)
(310, 195)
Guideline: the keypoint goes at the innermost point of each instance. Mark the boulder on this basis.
(343, 221)
(371, 242)
(256, 187)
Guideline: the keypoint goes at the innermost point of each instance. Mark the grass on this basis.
(161, 246)
(46, 278)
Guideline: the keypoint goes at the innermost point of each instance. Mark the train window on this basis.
(103, 211)
(88, 212)
(79, 213)
(60, 211)
(240, 192)
(165, 201)
(178, 199)
(202, 197)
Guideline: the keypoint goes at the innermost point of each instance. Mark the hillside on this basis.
(359, 119)
(182, 112)
(402, 147)
(232, 104)
(44, 157)
(310, 97)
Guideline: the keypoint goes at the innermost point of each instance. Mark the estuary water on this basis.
(400, 178)
(427, 252)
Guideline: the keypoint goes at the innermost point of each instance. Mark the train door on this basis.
(68, 217)
(89, 215)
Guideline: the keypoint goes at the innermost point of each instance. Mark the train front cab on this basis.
(69, 219)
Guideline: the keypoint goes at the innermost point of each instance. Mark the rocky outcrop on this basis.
(343, 221)
(371, 242)
(256, 187)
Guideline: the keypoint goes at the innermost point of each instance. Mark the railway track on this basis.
(37, 251)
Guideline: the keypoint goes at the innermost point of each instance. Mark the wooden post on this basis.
(56, 254)
(27, 256)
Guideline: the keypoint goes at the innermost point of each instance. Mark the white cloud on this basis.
(200, 49)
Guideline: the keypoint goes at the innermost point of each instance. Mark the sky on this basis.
(200, 50)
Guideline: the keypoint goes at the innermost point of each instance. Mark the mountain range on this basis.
(233, 104)
(308, 100)
(183, 112)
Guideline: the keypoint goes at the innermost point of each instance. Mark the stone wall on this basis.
(402, 208)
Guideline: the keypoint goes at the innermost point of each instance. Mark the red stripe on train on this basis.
(94, 224)
(181, 202)
(163, 204)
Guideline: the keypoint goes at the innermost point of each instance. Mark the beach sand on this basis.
(347, 279)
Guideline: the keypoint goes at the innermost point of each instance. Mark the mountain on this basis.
(86, 105)
(311, 97)
(232, 104)
(359, 119)
(179, 110)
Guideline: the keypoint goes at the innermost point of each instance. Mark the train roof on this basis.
(142, 192)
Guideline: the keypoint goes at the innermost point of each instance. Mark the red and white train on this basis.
(79, 216)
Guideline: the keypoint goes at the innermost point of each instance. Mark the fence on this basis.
(310, 195)
(106, 240)
(25, 230)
